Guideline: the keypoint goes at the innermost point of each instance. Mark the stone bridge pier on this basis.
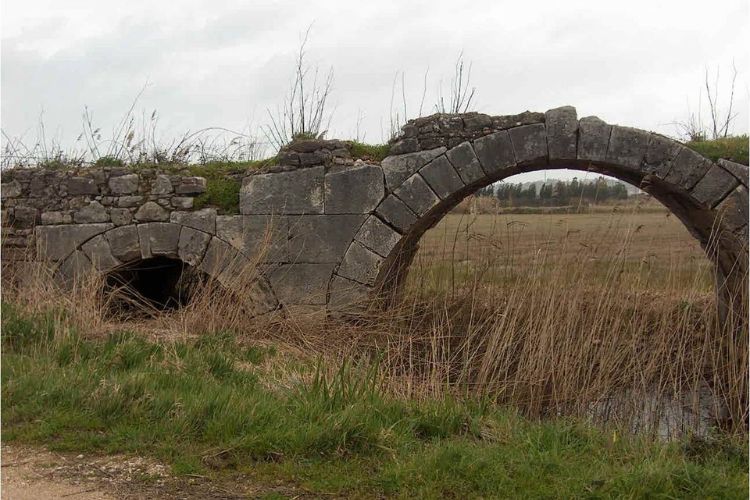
(325, 232)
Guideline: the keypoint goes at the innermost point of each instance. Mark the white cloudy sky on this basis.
(224, 62)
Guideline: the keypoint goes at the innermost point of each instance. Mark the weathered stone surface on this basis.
(192, 245)
(295, 192)
(627, 147)
(377, 236)
(56, 217)
(151, 211)
(736, 169)
(182, 202)
(465, 162)
(24, 217)
(404, 146)
(56, 242)
(75, 269)
(733, 211)
(158, 238)
(562, 133)
(120, 216)
(396, 213)
(124, 184)
(262, 238)
(593, 139)
(218, 256)
(529, 143)
(98, 251)
(204, 219)
(93, 212)
(659, 155)
(191, 185)
(399, 168)
(688, 168)
(82, 186)
(347, 295)
(301, 283)
(495, 152)
(417, 195)
(124, 243)
(10, 189)
(715, 185)
(162, 185)
(321, 238)
(354, 190)
(129, 201)
(360, 264)
(441, 177)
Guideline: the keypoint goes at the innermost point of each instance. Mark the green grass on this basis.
(208, 407)
(731, 148)
(374, 152)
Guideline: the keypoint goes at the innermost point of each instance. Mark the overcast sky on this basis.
(223, 63)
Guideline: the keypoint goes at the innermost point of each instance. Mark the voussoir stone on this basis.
(99, 253)
(736, 169)
(124, 184)
(158, 238)
(396, 213)
(348, 295)
(659, 155)
(688, 168)
(529, 142)
(495, 152)
(593, 139)
(627, 147)
(398, 168)
(734, 209)
(354, 190)
(442, 177)
(360, 264)
(151, 211)
(192, 245)
(377, 236)
(562, 133)
(124, 243)
(417, 195)
(465, 161)
(204, 219)
(294, 192)
(714, 186)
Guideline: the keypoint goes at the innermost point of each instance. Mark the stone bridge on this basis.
(325, 231)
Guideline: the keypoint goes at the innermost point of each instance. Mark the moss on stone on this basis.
(733, 148)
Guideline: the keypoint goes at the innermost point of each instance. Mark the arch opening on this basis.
(146, 286)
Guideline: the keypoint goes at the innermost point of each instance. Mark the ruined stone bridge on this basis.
(325, 231)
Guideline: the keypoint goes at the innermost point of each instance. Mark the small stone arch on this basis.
(444, 158)
(116, 247)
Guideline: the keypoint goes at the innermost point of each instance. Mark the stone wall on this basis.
(326, 231)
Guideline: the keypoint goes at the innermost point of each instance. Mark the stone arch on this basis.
(444, 158)
(116, 247)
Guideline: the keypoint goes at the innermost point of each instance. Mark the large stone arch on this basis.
(444, 158)
(106, 249)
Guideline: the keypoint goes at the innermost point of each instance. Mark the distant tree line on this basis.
(556, 193)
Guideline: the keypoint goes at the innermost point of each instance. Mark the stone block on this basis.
(182, 202)
(396, 213)
(10, 189)
(218, 256)
(158, 238)
(124, 184)
(465, 162)
(321, 238)
(124, 243)
(627, 147)
(441, 177)
(360, 264)
(294, 192)
(593, 139)
(129, 201)
(354, 190)
(733, 211)
(398, 168)
(659, 155)
(56, 242)
(192, 245)
(377, 236)
(204, 219)
(162, 185)
(736, 169)
(562, 133)
(24, 217)
(77, 186)
(93, 212)
(261, 238)
(74, 269)
(151, 211)
(417, 195)
(56, 217)
(347, 295)
(99, 253)
(191, 185)
(529, 143)
(688, 168)
(714, 187)
(495, 152)
(120, 216)
(301, 283)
